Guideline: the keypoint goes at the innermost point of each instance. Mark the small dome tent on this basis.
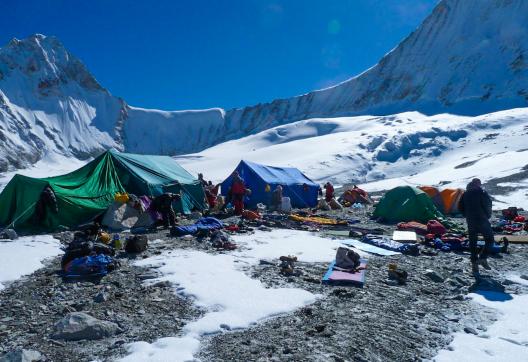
(406, 203)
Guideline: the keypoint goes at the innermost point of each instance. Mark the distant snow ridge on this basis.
(467, 57)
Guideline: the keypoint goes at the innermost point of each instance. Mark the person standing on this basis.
(163, 205)
(329, 191)
(475, 205)
(276, 199)
(238, 192)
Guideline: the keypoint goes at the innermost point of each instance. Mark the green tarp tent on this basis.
(406, 203)
(87, 192)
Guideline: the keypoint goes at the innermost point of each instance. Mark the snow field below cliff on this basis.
(383, 152)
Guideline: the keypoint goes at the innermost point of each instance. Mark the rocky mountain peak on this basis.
(46, 62)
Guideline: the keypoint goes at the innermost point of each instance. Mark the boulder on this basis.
(434, 276)
(22, 355)
(8, 234)
(78, 325)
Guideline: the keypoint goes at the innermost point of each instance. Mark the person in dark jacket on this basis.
(163, 205)
(47, 203)
(475, 205)
(276, 199)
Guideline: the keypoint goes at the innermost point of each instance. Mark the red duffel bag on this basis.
(435, 227)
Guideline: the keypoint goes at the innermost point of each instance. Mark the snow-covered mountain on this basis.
(467, 57)
(50, 103)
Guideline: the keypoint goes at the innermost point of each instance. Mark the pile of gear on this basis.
(92, 252)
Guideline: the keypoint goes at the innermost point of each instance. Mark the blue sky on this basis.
(199, 54)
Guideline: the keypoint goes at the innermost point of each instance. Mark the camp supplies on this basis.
(347, 258)
(104, 237)
(510, 213)
(397, 274)
(286, 204)
(404, 236)
(335, 276)
(418, 228)
(121, 197)
(116, 242)
(89, 266)
(287, 265)
(435, 227)
(386, 242)
(369, 248)
(136, 244)
(205, 223)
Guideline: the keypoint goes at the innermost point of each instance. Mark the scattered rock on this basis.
(22, 355)
(434, 276)
(148, 275)
(319, 328)
(78, 326)
(470, 330)
(487, 284)
(8, 234)
(101, 297)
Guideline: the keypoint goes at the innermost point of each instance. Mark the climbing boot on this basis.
(484, 264)
(475, 270)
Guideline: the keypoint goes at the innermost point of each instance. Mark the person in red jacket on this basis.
(329, 191)
(238, 191)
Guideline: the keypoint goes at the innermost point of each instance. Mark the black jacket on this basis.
(475, 204)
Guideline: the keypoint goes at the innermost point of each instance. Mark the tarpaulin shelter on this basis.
(446, 200)
(262, 181)
(89, 191)
(406, 203)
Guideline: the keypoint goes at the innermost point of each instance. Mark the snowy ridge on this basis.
(467, 57)
(50, 103)
(386, 151)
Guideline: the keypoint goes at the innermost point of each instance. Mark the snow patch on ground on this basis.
(25, 255)
(230, 298)
(504, 340)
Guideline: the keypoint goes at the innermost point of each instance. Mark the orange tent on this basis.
(446, 200)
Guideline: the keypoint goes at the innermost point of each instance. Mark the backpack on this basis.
(136, 244)
(435, 227)
(510, 213)
(347, 258)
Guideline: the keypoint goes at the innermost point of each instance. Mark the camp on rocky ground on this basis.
(264, 181)
(292, 254)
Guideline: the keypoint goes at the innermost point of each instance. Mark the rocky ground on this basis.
(382, 321)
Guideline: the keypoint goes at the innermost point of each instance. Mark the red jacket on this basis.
(329, 192)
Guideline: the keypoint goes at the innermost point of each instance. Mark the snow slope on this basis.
(207, 277)
(385, 151)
